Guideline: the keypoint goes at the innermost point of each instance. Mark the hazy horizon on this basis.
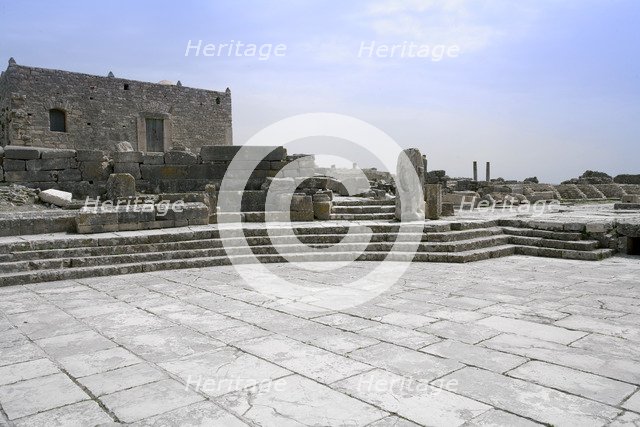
(540, 88)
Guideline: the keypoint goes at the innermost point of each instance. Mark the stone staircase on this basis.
(359, 209)
(30, 259)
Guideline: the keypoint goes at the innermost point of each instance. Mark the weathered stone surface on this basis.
(21, 153)
(89, 155)
(127, 157)
(57, 154)
(532, 329)
(39, 394)
(153, 158)
(397, 394)
(331, 407)
(301, 203)
(631, 198)
(322, 210)
(121, 185)
(51, 164)
(575, 382)
(530, 400)
(132, 169)
(95, 171)
(180, 158)
(30, 176)
(69, 175)
(150, 399)
(14, 165)
(475, 355)
(56, 197)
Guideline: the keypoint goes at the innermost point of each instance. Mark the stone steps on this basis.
(362, 210)
(362, 216)
(366, 209)
(31, 259)
(339, 201)
(130, 268)
(318, 239)
(593, 255)
(544, 234)
(107, 256)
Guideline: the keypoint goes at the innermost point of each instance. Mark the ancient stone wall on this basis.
(102, 111)
(85, 172)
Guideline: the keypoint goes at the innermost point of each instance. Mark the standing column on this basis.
(424, 164)
(488, 171)
(475, 170)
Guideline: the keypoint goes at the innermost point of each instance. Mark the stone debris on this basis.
(56, 197)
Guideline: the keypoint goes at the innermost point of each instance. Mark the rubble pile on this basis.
(17, 195)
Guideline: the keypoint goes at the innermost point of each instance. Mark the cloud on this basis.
(471, 25)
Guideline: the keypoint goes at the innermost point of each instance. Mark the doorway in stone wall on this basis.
(155, 134)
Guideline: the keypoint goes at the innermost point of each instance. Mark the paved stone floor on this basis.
(513, 341)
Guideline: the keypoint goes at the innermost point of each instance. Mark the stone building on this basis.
(60, 109)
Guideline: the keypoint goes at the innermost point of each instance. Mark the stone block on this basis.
(128, 157)
(212, 153)
(21, 153)
(626, 206)
(14, 165)
(215, 170)
(69, 175)
(164, 172)
(277, 165)
(301, 203)
(252, 201)
(153, 158)
(324, 196)
(57, 154)
(95, 171)
(228, 152)
(180, 158)
(56, 197)
(302, 215)
(30, 176)
(447, 209)
(120, 185)
(90, 155)
(322, 210)
(631, 198)
(58, 163)
(595, 227)
(132, 169)
(83, 189)
(91, 217)
(318, 182)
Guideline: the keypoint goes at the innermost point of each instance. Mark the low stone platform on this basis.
(519, 341)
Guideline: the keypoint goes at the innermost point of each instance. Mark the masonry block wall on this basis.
(99, 112)
(85, 172)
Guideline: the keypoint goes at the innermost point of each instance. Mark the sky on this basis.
(545, 88)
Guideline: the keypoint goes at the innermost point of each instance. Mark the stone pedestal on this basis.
(410, 204)
(433, 199)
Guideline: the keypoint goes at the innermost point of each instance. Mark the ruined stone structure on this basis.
(60, 109)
